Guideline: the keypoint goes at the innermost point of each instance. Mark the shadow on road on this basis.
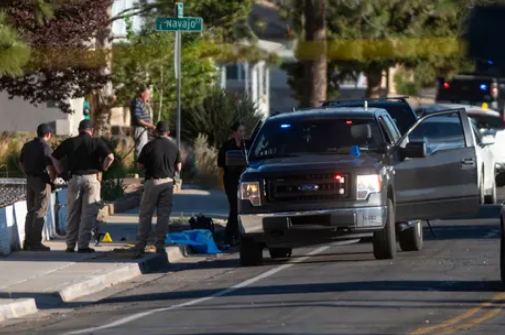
(359, 286)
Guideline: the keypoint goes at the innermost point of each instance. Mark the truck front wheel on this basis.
(280, 252)
(384, 240)
(251, 252)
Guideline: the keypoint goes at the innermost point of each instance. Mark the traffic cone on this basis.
(107, 238)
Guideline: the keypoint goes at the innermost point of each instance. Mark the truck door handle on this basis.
(467, 161)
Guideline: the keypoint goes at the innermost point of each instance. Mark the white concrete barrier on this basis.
(12, 222)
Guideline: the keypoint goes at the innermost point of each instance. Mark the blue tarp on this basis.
(200, 239)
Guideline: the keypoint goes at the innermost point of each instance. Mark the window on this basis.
(440, 133)
(235, 72)
(392, 126)
(281, 138)
(386, 131)
(487, 122)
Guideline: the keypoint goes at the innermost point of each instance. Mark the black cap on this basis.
(162, 127)
(85, 124)
(43, 129)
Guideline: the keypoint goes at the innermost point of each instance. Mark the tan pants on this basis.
(38, 198)
(158, 194)
(83, 195)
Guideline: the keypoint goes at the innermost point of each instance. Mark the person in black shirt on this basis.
(35, 162)
(86, 158)
(160, 159)
(231, 176)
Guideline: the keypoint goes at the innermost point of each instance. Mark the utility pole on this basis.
(179, 24)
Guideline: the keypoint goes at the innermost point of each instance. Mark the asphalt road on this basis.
(450, 287)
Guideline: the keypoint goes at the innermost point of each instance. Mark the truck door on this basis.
(443, 183)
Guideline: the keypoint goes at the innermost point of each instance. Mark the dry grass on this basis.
(205, 160)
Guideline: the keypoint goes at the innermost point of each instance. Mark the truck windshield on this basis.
(313, 136)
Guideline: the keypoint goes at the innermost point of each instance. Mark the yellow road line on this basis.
(461, 317)
(489, 315)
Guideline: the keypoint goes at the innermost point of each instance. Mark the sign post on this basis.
(178, 25)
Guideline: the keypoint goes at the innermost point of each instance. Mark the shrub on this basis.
(205, 158)
(216, 115)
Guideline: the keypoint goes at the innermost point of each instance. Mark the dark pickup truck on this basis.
(473, 89)
(325, 174)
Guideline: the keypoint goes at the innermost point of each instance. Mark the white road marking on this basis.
(243, 284)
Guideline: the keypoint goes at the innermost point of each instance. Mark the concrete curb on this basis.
(16, 308)
(125, 272)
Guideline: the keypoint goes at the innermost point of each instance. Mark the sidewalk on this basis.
(43, 280)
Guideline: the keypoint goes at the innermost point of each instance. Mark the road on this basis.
(450, 287)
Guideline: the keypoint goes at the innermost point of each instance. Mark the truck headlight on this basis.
(250, 191)
(366, 185)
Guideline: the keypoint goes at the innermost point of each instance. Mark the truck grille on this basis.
(309, 188)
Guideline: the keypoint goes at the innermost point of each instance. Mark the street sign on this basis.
(184, 24)
(180, 9)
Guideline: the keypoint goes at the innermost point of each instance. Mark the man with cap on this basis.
(35, 162)
(140, 119)
(86, 158)
(160, 159)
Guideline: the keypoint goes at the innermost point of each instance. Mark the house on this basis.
(265, 84)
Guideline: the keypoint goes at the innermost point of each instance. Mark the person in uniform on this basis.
(86, 158)
(35, 162)
(231, 176)
(160, 159)
(140, 119)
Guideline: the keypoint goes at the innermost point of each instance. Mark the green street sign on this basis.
(184, 24)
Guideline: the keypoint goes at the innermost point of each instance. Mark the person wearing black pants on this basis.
(231, 176)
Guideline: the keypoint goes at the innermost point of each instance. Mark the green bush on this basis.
(216, 115)
(404, 85)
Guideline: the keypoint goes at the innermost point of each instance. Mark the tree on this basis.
(370, 36)
(227, 21)
(14, 54)
(315, 70)
(147, 58)
(61, 66)
(216, 115)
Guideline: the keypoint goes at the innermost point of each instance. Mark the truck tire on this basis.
(411, 239)
(280, 252)
(384, 240)
(251, 252)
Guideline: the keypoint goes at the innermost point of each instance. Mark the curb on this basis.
(125, 272)
(17, 308)
(150, 263)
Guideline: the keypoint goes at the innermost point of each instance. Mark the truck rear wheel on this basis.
(384, 240)
(280, 252)
(251, 252)
(411, 239)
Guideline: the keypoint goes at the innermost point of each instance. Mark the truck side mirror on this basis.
(413, 150)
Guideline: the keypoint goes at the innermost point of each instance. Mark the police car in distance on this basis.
(323, 174)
